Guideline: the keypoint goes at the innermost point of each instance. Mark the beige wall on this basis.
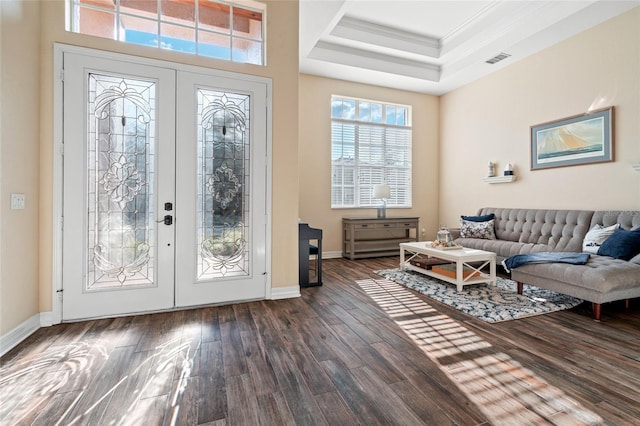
(26, 289)
(490, 118)
(20, 97)
(485, 120)
(315, 155)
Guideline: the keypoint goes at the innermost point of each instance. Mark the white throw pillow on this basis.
(482, 230)
(596, 236)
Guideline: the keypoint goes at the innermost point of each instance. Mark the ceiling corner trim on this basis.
(364, 59)
(380, 35)
(472, 20)
(318, 19)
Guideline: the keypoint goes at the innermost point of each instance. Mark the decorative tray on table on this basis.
(442, 246)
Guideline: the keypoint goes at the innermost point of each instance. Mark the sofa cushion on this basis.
(482, 230)
(558, 230)
(596, 236)
(601, 280)
(627, 219)
(622, 244)
(483, 218)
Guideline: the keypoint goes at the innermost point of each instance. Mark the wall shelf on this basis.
(636, 167)
(500, 179)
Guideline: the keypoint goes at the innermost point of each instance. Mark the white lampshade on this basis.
(381, 191)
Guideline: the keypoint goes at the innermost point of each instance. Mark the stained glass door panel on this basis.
(223, 184)
(117, 172)
(221, 181)
(120, 167)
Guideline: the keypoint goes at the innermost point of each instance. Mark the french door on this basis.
(164, 197)
(221, 158)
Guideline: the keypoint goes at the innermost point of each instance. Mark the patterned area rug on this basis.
(487, 302)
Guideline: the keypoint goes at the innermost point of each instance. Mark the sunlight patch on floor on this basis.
(161, 372)
(504, 390)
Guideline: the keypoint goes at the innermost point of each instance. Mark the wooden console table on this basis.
(373, 237)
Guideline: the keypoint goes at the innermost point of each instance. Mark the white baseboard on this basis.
(18, 334)
(46, 319)
(331, 254)
(285, 292)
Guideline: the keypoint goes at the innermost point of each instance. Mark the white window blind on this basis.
(370, 145)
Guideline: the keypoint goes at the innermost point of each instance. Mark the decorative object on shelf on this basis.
(508, 169)
(491, 169)
(382, 192)
(581, 139)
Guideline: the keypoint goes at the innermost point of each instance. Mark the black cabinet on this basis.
(306, 234)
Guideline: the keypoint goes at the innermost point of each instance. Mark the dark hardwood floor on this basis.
(354, 351)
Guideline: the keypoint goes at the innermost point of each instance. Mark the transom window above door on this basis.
(232, 31)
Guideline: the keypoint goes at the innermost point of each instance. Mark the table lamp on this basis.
(382, 192)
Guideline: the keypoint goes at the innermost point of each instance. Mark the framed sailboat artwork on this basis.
(580, 139)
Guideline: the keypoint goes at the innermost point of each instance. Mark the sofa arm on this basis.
(455, 233)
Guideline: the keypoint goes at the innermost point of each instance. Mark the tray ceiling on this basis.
(435, 46)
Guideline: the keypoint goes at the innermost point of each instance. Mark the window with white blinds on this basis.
(370, 145)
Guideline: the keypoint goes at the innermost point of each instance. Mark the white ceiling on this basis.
(431, 46)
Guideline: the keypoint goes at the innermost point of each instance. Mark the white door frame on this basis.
(58, 148)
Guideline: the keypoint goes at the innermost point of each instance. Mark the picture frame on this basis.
(580, 139)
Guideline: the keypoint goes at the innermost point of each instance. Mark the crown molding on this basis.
(479, 16)
(391, 38)
(360, 58)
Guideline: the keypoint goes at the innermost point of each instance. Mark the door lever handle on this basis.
(168, 220)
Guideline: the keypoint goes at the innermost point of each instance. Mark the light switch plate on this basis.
(17, 201)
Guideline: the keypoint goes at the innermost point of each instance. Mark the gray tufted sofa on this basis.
(603, 279)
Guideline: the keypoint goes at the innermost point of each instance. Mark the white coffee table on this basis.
(461, 257)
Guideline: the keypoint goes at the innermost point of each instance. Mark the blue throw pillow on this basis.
(621, 245)
(485, 218)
